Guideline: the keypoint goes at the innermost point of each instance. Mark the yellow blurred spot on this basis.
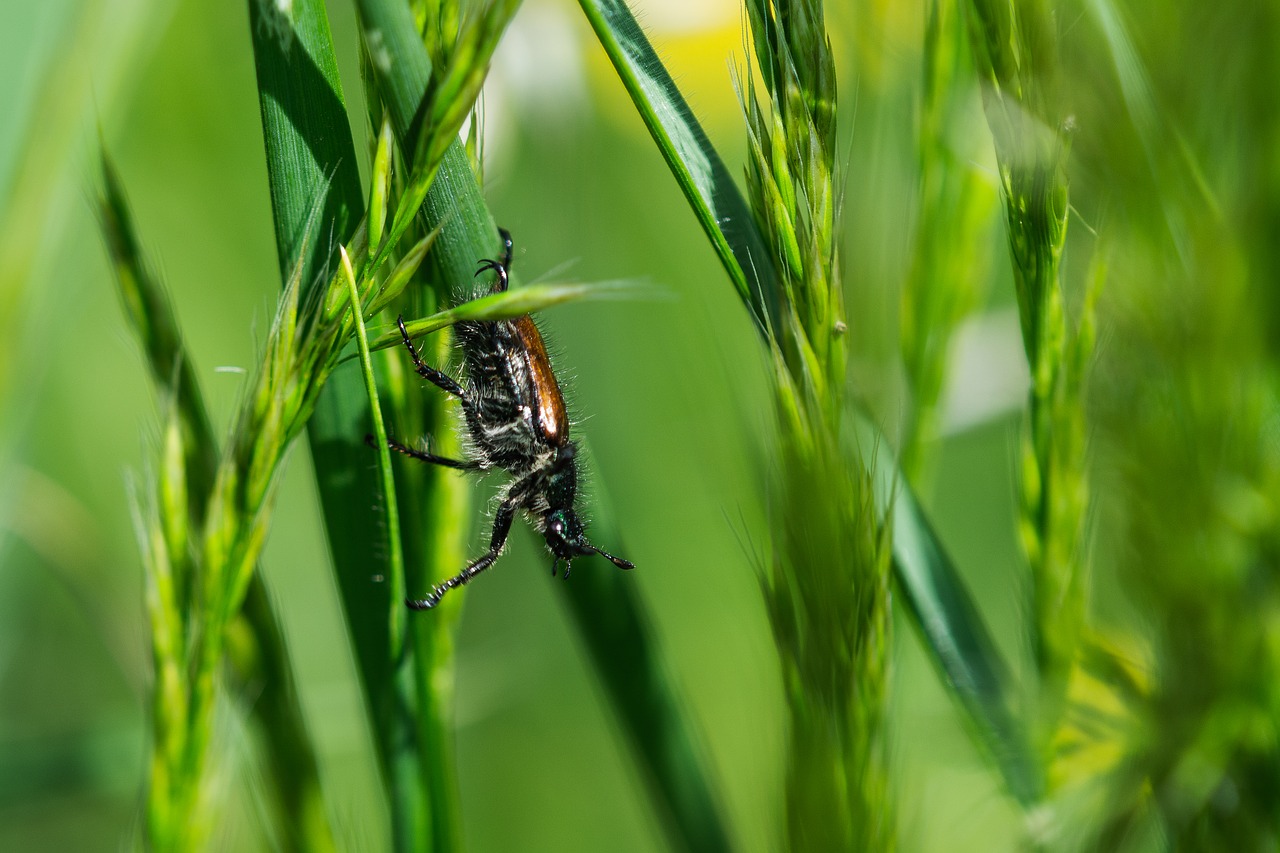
(699, 42)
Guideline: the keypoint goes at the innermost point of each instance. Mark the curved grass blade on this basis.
(940, 604)
(500, 306)
(696, 165)
(951, 625)
(962, 649)
(395, 552)
(621, 644)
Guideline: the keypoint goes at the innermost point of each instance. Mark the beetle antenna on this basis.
(617, 561)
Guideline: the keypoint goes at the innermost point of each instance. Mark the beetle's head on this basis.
(565, 534)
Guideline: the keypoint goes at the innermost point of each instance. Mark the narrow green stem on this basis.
(409, 764)
(396, 616)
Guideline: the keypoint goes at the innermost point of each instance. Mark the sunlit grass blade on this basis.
(291, 756)
(516, 302)
(696, 165)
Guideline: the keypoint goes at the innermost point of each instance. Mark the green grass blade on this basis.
(949, 621)
(400, 62)
(390, 508)
(309, 149)
(291, 758)
(954, 632)
(620, 642)
(500, 306)
(962, 649)
(696, 165)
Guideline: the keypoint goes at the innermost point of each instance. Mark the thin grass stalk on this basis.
(1014, 46)
(826, 581)
(391, 511)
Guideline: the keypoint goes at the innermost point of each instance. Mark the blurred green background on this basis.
(664, 387)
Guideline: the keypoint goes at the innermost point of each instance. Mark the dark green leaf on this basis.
(954, 632)
(614, 626)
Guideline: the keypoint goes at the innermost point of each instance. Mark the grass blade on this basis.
(962, 649)
(620, 643)
(696, 165)
(500, 306)
(308, 144)
(953, 629)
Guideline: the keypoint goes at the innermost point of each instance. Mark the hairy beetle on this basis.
(516, 422)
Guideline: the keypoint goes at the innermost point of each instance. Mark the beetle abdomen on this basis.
(517, 414)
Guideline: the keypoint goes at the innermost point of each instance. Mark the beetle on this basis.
(516, 422)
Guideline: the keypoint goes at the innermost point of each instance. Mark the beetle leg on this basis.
(503, 266)
(501, 527)
(423, 456)
(442, 381)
